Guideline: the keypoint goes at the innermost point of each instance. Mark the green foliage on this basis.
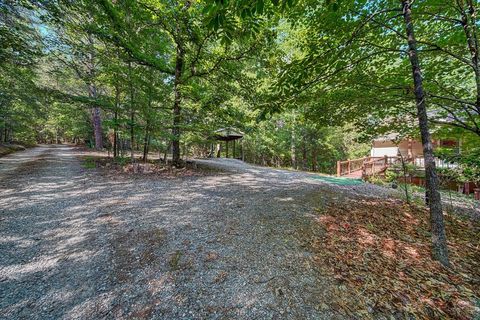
(290, 140)
(122, 161)
(89, 163)
(466, 165)
(308, 82)
(391, 175)
(21, 107)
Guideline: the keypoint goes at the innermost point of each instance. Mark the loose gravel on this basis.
(80, 243)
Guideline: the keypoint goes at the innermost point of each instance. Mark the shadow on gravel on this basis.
(76, 243)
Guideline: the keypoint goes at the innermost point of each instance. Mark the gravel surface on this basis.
(78, 243)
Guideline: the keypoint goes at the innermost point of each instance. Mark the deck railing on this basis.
(439, 163)
(349, 166)
(375, 165)
(366, 164)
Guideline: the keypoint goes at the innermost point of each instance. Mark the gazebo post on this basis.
(228, 135)
(241, 149)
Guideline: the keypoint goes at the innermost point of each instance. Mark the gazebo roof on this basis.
(227, 134)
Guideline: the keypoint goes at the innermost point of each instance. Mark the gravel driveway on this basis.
(79, 244)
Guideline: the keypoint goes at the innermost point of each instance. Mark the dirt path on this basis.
(78, 244)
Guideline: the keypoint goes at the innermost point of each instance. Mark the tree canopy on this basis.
(308, 82)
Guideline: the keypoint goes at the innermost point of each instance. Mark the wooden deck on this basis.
(362, 167)
(369, 166)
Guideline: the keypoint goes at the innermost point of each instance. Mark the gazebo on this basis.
(227, 135)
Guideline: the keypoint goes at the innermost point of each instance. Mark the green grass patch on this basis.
(89, 163)
(122, 160)
(339, 180)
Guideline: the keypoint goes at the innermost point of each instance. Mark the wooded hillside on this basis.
(307, 82)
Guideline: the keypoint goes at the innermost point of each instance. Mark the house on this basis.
(391, 146)
(388, 150)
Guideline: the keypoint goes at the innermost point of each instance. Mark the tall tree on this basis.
(439, 241)
(354, 68)
(182, 48)
(77, 49)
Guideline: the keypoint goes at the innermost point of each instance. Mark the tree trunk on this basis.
(469, 23)
(293, 149)
(165, 155)
(439, 239)
(241, 150)
(96, 119)
(148, 143)
(146, 140)
(145, 143)
(132, 117)
(115, 125)
(132, 137)
(115, 135)
(177, 107)
(5, 129)
(92, 93)
(304, 151)
(314, 158)
(97, 127)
